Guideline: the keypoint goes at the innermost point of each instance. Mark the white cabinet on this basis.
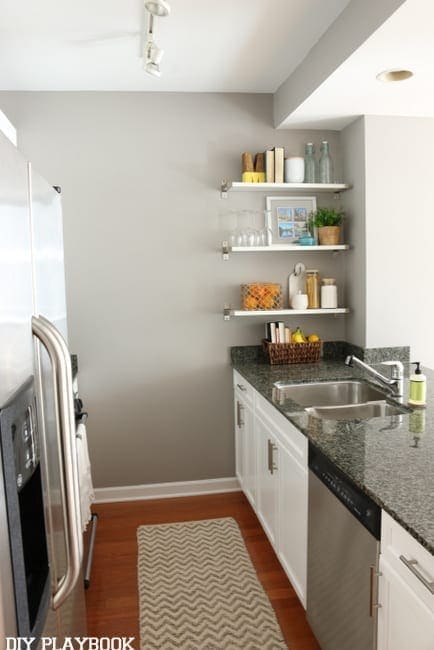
(293, 504)
(245, 447)
(271, 465)
(268, 479)
(406, 586)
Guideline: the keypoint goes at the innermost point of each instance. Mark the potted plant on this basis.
(328, 221)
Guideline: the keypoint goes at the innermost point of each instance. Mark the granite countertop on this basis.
(390, 458)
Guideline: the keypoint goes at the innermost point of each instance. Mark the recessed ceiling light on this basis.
(394, 75)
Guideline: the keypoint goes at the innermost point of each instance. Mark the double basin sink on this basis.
(340, 400)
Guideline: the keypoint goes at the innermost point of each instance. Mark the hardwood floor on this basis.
(112, 605)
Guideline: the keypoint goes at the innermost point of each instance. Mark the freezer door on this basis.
(48, 257)
(16, 355)
(16, 303)
(50, 302)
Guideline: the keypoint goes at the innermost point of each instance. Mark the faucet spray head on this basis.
(349, 360)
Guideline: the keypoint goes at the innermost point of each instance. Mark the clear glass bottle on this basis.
(310, 165)
(312, 288)
(325, 164)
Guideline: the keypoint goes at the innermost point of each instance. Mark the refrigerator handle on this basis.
(60, 358)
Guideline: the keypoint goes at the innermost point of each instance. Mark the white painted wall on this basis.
(146, 284)
(351, 28)
(400, 234)
(390, 224)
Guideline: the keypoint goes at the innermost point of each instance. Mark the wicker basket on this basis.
(261, 295)
(280, 353)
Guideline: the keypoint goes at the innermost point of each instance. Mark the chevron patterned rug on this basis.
(198, 590)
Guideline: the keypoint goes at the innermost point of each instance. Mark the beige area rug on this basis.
(198, 590)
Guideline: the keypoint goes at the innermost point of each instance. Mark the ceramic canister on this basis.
(299, 301)
(294, 170)
(329, 294)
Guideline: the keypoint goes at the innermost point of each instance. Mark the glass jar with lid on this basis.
(329, 294)
(312, 288)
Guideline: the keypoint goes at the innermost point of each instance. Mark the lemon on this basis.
(313, 338)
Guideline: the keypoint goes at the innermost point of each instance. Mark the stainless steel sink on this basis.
(376, 409)
(330, 393)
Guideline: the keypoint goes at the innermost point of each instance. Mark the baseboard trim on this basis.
(166, 490)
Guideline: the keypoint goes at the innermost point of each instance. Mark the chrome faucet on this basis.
(396, 380)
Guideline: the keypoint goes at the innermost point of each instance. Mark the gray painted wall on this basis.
(146, 284)
(353, 201)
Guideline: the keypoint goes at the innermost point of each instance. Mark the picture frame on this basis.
(288, 217)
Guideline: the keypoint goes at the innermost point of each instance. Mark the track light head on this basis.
(153, 69)
(152, 55)
(159, 8)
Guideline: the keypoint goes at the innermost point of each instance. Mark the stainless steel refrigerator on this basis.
(38, 444)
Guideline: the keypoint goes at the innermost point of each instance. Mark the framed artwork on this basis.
(288, 217)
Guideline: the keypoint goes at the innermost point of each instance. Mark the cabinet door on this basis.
(245, 449)
(292, 546)
(404, 620)
(239, 438)
(249, 455)
(268, 482)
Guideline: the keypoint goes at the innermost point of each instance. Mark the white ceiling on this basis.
(210, 46)
(404, 41)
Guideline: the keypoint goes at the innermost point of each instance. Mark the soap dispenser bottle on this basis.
(417, 387)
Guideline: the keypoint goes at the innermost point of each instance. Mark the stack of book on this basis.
(276, 332)
(274, 165)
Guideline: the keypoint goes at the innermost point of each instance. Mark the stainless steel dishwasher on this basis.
(342, 565)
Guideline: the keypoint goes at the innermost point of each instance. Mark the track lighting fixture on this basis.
(152, 54)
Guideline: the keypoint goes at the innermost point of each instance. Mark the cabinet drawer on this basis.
(241, 385)
(289, 436)
(410, 560)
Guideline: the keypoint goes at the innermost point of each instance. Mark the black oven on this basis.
(25, 510)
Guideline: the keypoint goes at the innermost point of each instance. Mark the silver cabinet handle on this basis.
(240, 419)
(241, 387)
(272, 467)
(60, 359)
(411, 564)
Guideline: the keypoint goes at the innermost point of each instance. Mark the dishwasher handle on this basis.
(373, 592)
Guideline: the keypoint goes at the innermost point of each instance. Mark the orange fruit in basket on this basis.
(267, 302)
(250, 303)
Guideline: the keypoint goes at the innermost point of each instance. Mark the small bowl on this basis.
(306, 241)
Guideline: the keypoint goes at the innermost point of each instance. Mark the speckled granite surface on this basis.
(389, 458)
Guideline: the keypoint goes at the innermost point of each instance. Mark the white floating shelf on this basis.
(228, 313)
(287, 247)
(236, 186)
(227, 249)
